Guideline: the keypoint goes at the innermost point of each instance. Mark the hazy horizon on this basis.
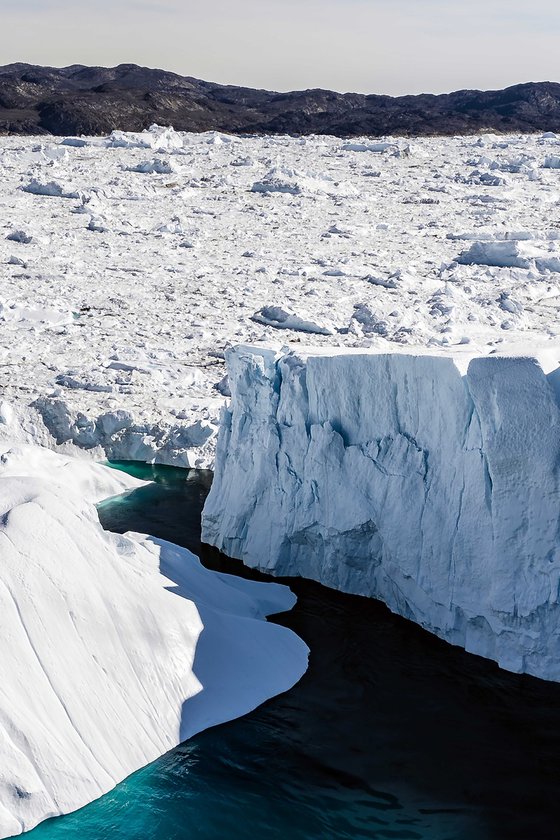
(364, 46)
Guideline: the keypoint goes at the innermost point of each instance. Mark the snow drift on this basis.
(429, 482)
(113, 648)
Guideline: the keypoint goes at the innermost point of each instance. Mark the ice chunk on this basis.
(284, 180)
(156, 137)
(501, 254)
(20, 236)
(76, 142)
(429, 482)
(275, 316)
(369, 147)
(52, 189)
(513, 253)
(115, 649)
(156, 166)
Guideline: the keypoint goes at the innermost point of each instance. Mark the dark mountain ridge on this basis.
(96, 100)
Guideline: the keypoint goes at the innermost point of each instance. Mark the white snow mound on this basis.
(114, 649)
(33, 316)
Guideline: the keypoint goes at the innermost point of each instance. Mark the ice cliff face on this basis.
(113, 648)
(429, 482)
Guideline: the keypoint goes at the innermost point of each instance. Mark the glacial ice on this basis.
(113, 648)
(429, 481)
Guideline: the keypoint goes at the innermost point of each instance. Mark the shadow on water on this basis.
(170, 507)
(391, 733)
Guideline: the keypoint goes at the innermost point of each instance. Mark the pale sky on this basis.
(368, 46)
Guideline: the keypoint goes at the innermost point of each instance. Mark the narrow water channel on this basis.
(391, 733)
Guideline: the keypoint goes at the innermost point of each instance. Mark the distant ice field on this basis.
(129, 264)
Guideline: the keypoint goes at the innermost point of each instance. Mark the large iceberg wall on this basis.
(113, 649)
(429, 482)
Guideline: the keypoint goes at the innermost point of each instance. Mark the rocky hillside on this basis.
(95, 100)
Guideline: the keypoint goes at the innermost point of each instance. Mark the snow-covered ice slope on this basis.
(129, 264)
(429, 481)
(113, 649)
(92, 482)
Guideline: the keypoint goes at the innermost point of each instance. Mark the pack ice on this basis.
(130, 263)
(113, 649)
(429, 481)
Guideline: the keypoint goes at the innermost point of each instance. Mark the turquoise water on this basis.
(391, 733)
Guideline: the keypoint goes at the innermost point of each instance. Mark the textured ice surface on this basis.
(428, 481)
(116, 306)
(113, 649)
(92, 482)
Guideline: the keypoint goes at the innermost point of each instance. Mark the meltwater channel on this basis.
(392, 733)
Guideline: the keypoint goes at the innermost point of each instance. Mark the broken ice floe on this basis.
(275, 316)
(283, 180)
(156, 166)
(51, 189)
(511, 254)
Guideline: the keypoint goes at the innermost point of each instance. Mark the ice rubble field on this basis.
(113, 648)
(130, 263)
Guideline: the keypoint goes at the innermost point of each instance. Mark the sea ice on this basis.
(171, 269)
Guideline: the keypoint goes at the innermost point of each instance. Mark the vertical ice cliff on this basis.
(428, 482)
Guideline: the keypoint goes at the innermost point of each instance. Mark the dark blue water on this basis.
(391, 733)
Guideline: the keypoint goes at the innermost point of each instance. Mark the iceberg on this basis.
(113, 648)
(428, 481)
